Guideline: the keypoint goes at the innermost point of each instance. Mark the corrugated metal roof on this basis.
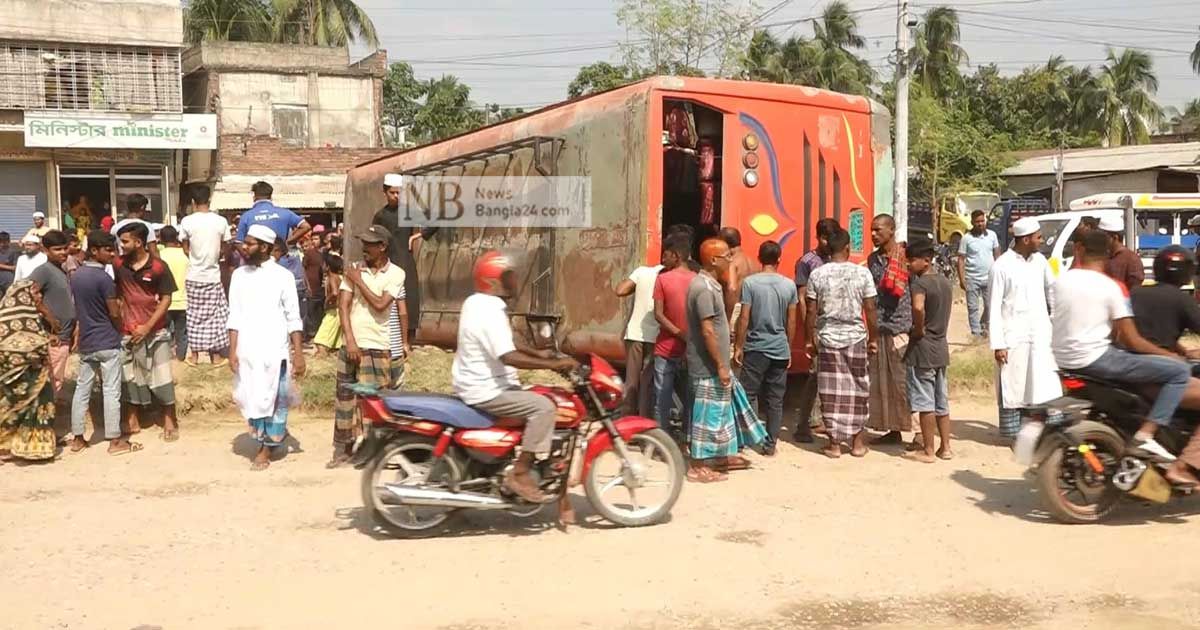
(319, 192)
(1115, 159)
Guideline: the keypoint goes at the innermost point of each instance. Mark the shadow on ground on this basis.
(1019, 498)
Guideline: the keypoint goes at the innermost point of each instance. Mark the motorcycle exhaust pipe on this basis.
(412, 495)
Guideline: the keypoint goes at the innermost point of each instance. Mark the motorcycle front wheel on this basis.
(641, 491)
(1070, 490)
(407, 460)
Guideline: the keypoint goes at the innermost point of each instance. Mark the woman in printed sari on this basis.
(26, 395)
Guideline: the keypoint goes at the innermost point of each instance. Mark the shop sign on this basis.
(138, 131)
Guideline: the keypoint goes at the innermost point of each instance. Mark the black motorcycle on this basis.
(1082, 463)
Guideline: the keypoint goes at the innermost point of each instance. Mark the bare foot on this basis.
(78, 444)
(858, 447)
(833, 451)
(262, 459)
(920, 456)
(134, 427)
(945, 454)
(566, 512)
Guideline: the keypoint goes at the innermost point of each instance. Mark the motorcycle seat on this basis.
(439, 408)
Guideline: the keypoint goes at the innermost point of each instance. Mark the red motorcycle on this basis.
(428, 456)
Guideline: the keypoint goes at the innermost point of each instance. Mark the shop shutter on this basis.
(16, 214)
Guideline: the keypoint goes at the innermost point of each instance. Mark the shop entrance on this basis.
(97, 192)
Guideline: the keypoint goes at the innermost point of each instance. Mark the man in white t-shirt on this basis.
(484, 372)
(640, 334)
(1092, 310)
(204, 234)
(136, 206)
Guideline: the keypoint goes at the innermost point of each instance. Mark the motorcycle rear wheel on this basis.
(657, 463)
(1098, 500)
(409, 457)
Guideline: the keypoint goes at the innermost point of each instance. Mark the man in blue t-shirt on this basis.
(98, 338)
(283, 222)
(763, 347)
(977, 250)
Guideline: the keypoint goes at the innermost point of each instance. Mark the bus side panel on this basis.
(813, 163)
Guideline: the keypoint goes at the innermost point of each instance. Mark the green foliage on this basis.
(678, 36)
(402, 94)
(937, 55)
(952, 148)
(226, 21)
(1127, 85)
(598, 77)
(826, 61)
(312, 22)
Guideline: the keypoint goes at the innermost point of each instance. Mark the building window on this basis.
(90, 78)
(289, 123)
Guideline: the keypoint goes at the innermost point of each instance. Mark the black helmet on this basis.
(1175, 265)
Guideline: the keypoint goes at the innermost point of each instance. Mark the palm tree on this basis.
(1196, 58)
(936, 54)
(323, 23)
(762, 51)
(1127, 85)
(838, 28)
(1186, 120)
(226, 20)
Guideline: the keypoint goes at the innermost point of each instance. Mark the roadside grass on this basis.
(972, 371)
(204, 389)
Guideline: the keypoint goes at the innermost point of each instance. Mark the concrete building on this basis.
(1147, 168)
(91, 109)
(295, 116)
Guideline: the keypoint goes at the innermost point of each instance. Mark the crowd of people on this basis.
(710, 340)
(131, 299)
(709, 343)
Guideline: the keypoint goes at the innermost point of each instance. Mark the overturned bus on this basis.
(768, 159)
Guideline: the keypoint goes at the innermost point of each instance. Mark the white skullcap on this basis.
(1025, 227)
(261, 232)
(31, 238)
(1112, 224)
(393, 180)
(39, 215)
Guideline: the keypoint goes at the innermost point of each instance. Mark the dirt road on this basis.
(183, 536)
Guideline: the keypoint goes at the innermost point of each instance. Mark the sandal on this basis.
(705, 476)
(78, 446)
(737, 462)
(131, 447)
(946, 456)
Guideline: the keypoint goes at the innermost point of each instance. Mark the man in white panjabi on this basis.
(264, 322)
(1021, 299)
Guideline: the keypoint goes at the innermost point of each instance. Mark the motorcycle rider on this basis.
(1092, 310)
(484, 372)
(1164, 311)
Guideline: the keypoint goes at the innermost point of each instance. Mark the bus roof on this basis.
(1139, 201)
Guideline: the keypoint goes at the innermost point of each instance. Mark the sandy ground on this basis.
(182, 535)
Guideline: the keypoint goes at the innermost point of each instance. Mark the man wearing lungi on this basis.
(839, 293)
(264, 316)
(1022, 296)
(369, 291)
(205, 236)
(145, 285)
(722, 419)
(889, 395)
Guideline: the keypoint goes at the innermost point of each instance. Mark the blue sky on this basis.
(524, 53)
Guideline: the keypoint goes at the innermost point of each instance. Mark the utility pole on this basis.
(900, 198)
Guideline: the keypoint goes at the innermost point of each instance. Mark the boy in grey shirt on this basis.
(763, 347)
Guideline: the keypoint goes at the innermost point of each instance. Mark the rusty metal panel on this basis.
(567, 273)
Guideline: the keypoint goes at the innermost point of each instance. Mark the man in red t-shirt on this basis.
(670, 311)
(145, 285)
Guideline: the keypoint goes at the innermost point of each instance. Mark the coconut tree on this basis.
(1196, 58)
(1127, 85)
(323, 23)
(936, 53)
(226, 20)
